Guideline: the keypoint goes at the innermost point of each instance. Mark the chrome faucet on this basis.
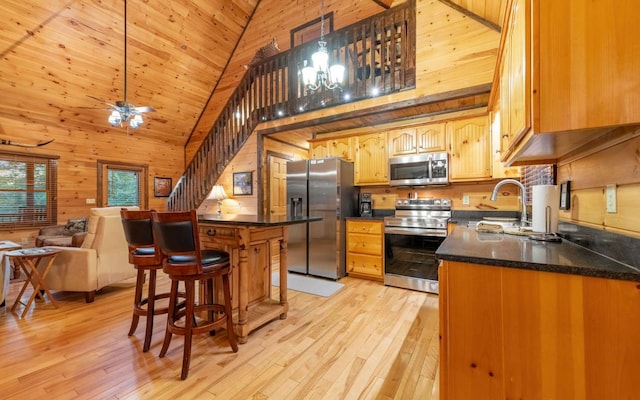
(523, 197)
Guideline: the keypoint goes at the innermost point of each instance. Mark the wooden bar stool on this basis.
(143, 255)
(176, 236)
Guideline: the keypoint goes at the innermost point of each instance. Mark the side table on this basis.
(28, 260)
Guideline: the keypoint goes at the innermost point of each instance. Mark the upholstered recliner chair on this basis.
(103, 258)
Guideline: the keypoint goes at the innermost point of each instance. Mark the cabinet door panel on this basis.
(470, 148)
(402, 142)
(473, 352)
(372, 164)
(431, 137)
(361, 264)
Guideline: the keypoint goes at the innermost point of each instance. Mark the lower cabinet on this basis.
(365, 249)
(508, 333)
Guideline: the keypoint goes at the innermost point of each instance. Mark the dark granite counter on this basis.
(254, 220)
(466, 245)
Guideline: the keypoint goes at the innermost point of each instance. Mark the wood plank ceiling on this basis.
(54, 54)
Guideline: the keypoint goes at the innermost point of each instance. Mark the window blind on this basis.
(28, 190)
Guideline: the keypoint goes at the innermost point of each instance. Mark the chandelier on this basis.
(319, 74)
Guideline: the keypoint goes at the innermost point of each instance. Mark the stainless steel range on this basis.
(411, 239)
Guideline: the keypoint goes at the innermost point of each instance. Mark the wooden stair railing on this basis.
(378, 54)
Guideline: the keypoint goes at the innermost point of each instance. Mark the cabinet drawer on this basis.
(364, 244)
(372, 227)
(365, 265)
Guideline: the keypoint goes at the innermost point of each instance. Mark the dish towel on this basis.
(489, 227)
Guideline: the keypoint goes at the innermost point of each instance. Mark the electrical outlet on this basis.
(91, 201)
(611, 199)
(465, 199)
(24, 241)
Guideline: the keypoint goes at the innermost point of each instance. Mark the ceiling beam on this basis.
(471, 15)
(386, 4)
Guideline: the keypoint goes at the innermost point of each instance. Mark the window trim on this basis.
(51, 188)
(142, 169)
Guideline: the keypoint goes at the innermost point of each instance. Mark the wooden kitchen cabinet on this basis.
(469, 149)
(371, 165)
(365, 244)
(342, 147)
(508, 333)
(498, 169)
(568, 73)
(417, 140)
(319, 149)
(336, 147)
(514, 81)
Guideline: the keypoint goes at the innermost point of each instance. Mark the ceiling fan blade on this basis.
(104, 102)
(144, 109)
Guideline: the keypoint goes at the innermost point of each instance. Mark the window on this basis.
(28, 190)
(537, 175)
(121, 185)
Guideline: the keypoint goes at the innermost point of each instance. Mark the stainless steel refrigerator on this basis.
(324, 188)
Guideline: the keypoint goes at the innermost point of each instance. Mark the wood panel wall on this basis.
(589, 176)
(78, 174)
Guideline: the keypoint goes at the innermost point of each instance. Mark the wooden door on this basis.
(277, 185)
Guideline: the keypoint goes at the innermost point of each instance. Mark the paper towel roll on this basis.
(543, 196)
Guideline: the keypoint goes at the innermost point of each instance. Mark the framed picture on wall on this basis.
(242, 183)
(161, 187)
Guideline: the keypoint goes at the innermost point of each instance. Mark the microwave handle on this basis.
(430, 168)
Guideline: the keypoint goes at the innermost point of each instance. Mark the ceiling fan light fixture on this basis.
(136, 121)
(115, 118)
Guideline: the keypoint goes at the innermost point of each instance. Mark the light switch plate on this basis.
(611, 199)
(465, 199)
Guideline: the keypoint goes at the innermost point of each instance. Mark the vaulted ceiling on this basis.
(183, 57)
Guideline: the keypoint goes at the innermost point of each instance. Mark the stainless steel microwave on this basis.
(419, 170)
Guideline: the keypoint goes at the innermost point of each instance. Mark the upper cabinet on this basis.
(568, 74)
(514, 81)
(416, 140)
(469, 149)
(342, 147)
(371, 160)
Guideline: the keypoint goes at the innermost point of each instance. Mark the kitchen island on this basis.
(526, 319)
(251, 241)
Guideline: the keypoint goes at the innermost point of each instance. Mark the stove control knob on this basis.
(436, 202)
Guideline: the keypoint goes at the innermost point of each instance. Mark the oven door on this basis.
(410, 259)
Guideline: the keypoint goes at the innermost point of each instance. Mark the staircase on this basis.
(378, 53)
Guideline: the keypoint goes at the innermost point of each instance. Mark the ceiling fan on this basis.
(123, 112)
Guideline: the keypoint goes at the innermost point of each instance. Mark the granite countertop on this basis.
(466, 245)
(254, 220)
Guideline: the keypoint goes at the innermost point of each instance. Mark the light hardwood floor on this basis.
(367, 341)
